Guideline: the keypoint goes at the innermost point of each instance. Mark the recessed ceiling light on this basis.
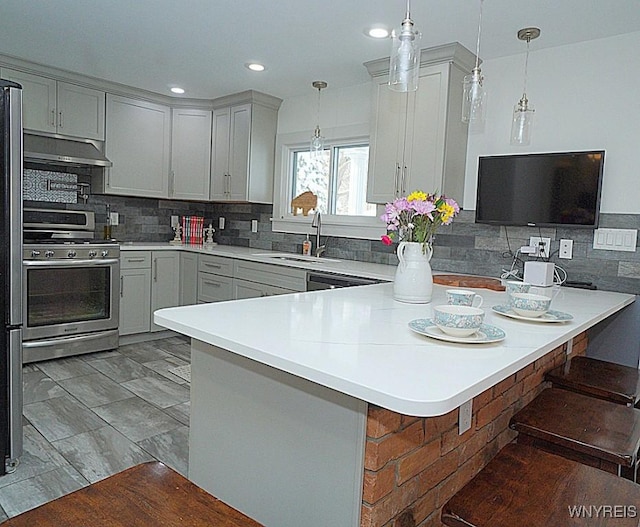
(377, 32)
(254, 66)
(176, 89)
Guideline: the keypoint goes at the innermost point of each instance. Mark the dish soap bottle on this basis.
(306, 247)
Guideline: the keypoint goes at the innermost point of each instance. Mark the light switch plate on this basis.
(115, 218)
(615, 239)
(221, 223)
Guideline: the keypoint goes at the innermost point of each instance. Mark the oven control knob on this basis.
(92, 254)
(49, 254)
(105, 253)
(35, 254)
(71, 254)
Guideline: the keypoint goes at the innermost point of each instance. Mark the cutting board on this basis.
(457, 280)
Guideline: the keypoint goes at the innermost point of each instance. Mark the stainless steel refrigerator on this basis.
(10, 274)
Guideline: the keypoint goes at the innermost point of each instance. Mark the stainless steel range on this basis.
(71, 286)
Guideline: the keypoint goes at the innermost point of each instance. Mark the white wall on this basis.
(585, 96)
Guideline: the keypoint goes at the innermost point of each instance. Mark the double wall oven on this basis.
(71, 286)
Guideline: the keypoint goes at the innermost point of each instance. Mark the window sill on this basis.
(367, 228)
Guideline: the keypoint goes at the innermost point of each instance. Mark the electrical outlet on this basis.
(221, 223)
(464, 417)
(114, 218)
(254, 225)
(566, 249)
(542, 246)
(175, 221)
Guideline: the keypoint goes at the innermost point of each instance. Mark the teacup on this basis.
(458, 321)
(529, 304)
(514, 286)
(463, 297)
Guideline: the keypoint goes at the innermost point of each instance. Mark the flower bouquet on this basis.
(413, 222)
(417, 217)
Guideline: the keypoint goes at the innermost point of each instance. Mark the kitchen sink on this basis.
(296, 257)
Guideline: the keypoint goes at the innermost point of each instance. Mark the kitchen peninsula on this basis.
(324, 408)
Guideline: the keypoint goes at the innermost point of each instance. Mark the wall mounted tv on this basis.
(542, 190)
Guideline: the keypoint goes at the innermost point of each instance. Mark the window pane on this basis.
(312, 173)
(351, 181)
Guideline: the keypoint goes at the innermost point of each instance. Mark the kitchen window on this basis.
(338, 176)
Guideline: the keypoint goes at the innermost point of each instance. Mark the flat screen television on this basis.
(542, 190)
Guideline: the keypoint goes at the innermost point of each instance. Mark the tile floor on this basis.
(90, 416)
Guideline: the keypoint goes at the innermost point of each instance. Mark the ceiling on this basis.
(202, 45)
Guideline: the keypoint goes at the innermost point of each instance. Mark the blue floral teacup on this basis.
(529, 304)
(463, 297)
(458, 321)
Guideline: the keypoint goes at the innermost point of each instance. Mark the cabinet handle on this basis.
(172, 182)
(212, 265)
(121, 286)
(396, 181)
(60, 123)
(404, 178)
(215, 284)
(135, 259)
(155, 270)
(53, 117)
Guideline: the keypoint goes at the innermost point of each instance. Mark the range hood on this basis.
(62, 152)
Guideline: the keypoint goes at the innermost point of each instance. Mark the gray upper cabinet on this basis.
(138, 142)
(418, 140)
(243, 151)
(60, 107)
(190, 154)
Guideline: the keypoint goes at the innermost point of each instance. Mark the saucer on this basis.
(486, 333)
(549, 316)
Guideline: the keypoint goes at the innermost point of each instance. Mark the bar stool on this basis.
(592, 431)
(598, 378)
(526, 487)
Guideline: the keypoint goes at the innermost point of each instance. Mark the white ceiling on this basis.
(202, 45)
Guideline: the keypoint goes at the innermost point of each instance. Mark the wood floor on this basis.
(90, 416)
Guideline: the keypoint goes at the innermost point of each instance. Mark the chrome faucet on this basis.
(316, 223)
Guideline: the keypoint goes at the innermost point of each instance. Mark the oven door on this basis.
(70, 297)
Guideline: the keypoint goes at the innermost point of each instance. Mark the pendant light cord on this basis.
(526, 69)
(478, 41)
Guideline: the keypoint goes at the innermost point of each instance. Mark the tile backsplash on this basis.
(462, 247)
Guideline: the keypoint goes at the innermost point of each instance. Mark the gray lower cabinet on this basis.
(165, 282)
(215, 278)
(188, 279)
(149, 280)
(254, 279)
(135, 292)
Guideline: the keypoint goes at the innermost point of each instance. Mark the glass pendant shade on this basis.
(522, 122)
(317, 142)
(405, 58)
(474, 99)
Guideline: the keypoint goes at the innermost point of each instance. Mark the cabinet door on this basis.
(165, 282)
(214, 288)
(137, 143)
(424, 151)
(38, 100)
(188, 279)
(81, 111)
(386, 163)
(239, 151)
(135, 301)
(245, 289)
(220, 153)
(190, 154)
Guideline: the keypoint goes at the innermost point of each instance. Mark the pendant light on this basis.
(523, 111)
(317, 141)
(405, 56)
(474, 95)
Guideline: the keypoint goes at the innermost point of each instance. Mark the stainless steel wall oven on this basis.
(71, 302)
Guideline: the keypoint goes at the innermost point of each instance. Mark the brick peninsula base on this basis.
(413, 466)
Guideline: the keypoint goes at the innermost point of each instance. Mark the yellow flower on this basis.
(446, 212)
(417, 195)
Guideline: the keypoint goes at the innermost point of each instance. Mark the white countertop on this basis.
(331, 265)
(356, 341)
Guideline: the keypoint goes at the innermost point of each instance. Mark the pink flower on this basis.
(386, 239)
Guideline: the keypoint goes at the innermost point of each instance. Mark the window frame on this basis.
(363, 227)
